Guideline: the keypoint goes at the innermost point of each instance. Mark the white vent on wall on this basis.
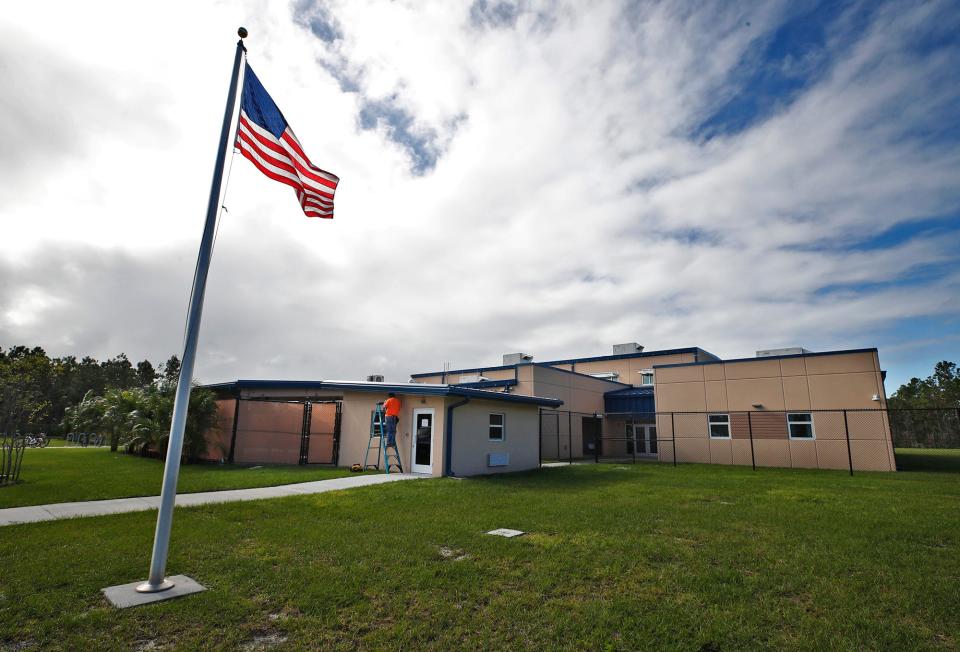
(607, 375)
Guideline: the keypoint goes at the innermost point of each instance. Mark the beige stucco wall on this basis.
(355, 427)
(579, 393)
(270, 432)
(628, 368)
(841, 381)
(471, 441)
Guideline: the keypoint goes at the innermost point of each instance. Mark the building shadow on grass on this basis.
(943, 460)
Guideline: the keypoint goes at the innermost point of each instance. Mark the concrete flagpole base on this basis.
(127, 595)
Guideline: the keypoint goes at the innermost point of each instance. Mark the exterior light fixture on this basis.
(757, 405)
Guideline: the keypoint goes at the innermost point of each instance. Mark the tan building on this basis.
(798, 410)
(443, 429)
(787, 407)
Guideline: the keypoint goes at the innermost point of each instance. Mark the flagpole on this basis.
(161, 541)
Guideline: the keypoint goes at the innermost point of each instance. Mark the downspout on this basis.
(448, 438)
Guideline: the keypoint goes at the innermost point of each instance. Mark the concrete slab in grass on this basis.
(126, 595)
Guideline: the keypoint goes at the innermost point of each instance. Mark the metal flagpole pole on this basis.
(161, 541)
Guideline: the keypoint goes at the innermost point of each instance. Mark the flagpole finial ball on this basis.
(242, 32)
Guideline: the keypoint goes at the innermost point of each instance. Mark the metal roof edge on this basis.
(547, 365)
(769, 357)
(422, 389)
(599, 358)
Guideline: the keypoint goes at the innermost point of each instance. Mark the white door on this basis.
(422, 453)
(649, 446)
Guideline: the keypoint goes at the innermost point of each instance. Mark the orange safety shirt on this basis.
(392, 407)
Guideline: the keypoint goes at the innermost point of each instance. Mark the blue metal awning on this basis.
(632, 400)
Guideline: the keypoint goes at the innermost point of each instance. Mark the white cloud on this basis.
(570, 205)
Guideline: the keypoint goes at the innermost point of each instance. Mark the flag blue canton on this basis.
(256, 102)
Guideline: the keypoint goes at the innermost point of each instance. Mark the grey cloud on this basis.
(421, 143)
(318, 18)
(54, 108)
(576, 213)
(498, 13)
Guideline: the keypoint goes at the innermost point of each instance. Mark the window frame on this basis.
(502, 426)
(808, 421)
(726, 423)
(646, 372)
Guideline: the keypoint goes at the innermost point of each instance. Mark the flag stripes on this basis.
(266, 140)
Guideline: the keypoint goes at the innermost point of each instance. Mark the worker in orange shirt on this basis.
(391, 408)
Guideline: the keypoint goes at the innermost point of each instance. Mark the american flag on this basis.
(265, 138)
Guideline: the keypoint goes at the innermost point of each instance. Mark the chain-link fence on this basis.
(854, 440)
(275, 431)
(11, 457)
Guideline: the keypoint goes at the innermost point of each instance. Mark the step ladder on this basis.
(378, 442)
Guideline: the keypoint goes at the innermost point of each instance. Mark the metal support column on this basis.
(673, 436)
(233, 434)
(846, 431)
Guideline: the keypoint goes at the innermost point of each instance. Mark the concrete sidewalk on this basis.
(36, 513)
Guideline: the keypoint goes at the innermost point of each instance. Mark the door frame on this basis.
(420, 468)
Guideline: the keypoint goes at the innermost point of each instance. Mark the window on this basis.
(497, 424)
(800, 425)
(719, 426)
(646, 377)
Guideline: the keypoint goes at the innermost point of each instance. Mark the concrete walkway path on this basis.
(36, 513)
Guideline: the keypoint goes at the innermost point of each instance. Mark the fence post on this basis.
(540, 437)
(846, 431)
(557, 414)
(753, 459)
(633, 434)
(673, 438)
(570, 438)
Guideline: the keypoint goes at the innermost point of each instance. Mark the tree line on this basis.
(130, 404)
(941, 389)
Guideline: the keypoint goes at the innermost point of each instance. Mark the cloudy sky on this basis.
(545, 177)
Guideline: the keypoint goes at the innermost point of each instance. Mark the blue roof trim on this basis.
(770, 357)
(382, 388)
(490, 383)
(600, 358)
(630, 391)
(478, 370)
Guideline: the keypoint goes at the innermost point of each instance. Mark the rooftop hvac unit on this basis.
(516, 358)
(626, 348)
(375, 378)
(791, 350)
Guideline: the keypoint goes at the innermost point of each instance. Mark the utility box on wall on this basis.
(498, 459)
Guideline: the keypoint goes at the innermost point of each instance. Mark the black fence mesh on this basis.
(854, 440)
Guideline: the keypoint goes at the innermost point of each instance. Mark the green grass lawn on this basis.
(928, 459)
(618, 557)
(57, 475)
